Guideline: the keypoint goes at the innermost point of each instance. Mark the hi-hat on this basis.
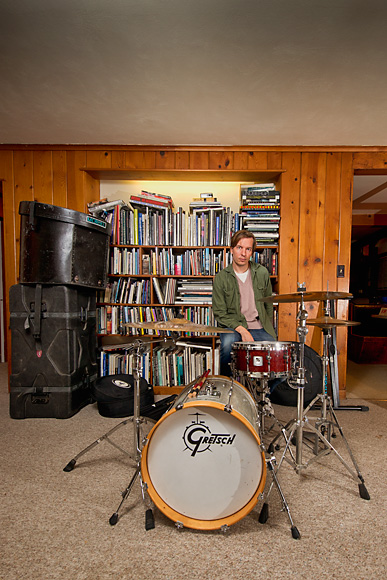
(329, 322)
(177, 325)
(306, 296)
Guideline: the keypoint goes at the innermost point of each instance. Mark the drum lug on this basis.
(179, 406)
(179, 525)
(224, 529)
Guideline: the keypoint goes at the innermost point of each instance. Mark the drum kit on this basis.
(204, 463)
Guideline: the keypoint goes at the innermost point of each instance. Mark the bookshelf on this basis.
(156, 258)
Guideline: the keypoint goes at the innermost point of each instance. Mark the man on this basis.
(234, 299)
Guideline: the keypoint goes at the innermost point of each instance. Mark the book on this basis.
(159, 293)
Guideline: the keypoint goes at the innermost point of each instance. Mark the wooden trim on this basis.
(185, 174)
(356, 150)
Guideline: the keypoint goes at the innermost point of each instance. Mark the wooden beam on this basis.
(358, 202)
(377, 219)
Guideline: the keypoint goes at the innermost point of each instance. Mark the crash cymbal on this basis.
(177, 325)
(329, 322)
(306, 296)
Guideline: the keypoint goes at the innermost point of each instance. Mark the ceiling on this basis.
(196, 72)
(193, 72)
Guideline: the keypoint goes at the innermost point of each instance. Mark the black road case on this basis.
(53, 351)
(62, 246)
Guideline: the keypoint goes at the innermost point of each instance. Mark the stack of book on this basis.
(153, 218)
(260, 212)
(149, 219)
(210, 223)
(126, 291)
(123, 362)
(194, 291)
(179, 364)
(165, 290)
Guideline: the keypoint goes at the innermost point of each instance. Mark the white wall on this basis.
(182, 192)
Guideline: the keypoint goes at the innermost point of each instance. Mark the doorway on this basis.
(367, 342)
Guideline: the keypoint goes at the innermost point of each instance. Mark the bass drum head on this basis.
(286, 395)
(203, 466)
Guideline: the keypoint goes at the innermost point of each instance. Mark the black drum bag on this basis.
(114, 395)
(286, 395)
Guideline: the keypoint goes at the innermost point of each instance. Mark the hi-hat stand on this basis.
(138, 347)
(323, 429)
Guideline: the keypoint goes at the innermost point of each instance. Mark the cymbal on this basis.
(128, 341)
(177, 325)
(329, 322)
(306, 296)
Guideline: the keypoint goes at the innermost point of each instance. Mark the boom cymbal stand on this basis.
(322, 430)
(138, 347)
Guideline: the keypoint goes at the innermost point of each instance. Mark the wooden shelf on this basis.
(184, 174)
(167, 390)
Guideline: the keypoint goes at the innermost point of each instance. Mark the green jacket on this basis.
(226, 298)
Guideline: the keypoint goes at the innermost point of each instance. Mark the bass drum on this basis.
(286, 395)
(202, 462)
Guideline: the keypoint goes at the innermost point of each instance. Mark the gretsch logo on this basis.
(198, 437)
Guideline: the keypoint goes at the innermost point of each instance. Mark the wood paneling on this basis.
(344, 258)
(59, 176)
(221, 160)
(99, 159)
(140, 160)
(367, 160)
(199, 160)
(43, 190)
(289, 242)
(316, 202)
(165, 160)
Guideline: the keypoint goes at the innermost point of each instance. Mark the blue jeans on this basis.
(228, 339)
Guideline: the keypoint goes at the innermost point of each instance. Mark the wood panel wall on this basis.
(316, 202)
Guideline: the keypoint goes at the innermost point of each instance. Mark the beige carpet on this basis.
(55, 525)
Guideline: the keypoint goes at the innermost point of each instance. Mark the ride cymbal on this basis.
(307, 296)
(177, 325)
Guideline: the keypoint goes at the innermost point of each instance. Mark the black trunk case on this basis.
(53, 360)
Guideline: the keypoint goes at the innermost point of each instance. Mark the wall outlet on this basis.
(340, 271)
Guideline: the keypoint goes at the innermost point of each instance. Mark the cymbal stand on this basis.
(138, 421)
(323, 427)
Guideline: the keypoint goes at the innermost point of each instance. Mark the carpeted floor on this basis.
(55, 525)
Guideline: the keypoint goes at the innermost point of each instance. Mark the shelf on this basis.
(184, 174)
(168, 390)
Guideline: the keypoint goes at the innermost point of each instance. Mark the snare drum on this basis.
(263, 359)
(202, 461)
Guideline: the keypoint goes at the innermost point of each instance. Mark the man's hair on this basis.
(240, 235)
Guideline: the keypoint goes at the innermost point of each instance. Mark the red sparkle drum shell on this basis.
(263, 359)
(202, 462)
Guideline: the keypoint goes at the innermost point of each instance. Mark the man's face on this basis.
(242, 252)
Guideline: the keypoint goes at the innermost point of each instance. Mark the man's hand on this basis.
(245, 334)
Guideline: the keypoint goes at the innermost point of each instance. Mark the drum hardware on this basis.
(137, 422)
(323, 430)
(333, 369)
(255, 363)
(271, 464)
